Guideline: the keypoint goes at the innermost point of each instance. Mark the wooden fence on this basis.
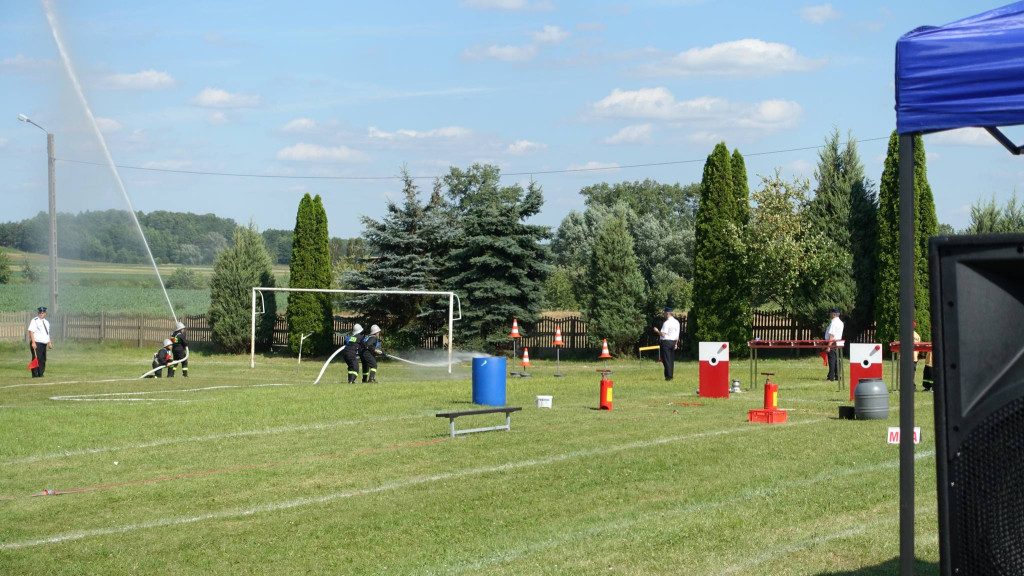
(148, 331)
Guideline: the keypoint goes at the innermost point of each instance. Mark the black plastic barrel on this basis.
(871, 399)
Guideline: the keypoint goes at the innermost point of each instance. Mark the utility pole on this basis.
(51, 176)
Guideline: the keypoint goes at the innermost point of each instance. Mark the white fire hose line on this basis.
(381, 488)
(326, 364)
(209, 438)
(33, 384)
(153, 371)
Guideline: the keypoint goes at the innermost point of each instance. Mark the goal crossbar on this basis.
(452, 299)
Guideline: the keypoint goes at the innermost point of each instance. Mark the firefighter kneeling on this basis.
(162, 358)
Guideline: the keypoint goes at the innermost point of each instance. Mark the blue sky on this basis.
(357, 90)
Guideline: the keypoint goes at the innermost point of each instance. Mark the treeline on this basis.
(173, 237)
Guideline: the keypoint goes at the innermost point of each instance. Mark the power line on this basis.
(504, 174)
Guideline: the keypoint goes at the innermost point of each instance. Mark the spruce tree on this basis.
(720, 297)
(498, 264)
(828, 213)
(616, 287)
(408, 242)
(863, 240)
(310, 267)
(925, 226)
(236, 270)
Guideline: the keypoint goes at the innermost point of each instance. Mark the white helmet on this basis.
(167, 342)
(179, 326)
(374, 329)
(357, 329)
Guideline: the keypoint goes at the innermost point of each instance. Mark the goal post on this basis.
(452, 300)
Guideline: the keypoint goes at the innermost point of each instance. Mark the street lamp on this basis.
(53, 214)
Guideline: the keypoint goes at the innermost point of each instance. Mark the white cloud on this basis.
(704, 137)
(660, 104)
(145, 80)
(748, 57)
(108, 125)
(216, 98)
(445, 132)
(314, 153)
(961, 137)
(820, 14)
(633, 134)
(550, 35)
(522, 147)
(504, 53)
(168, 164)
(3, 142)
(217, 118)
(507, 5)
(299, 125)
(593, 166)
(21, 64)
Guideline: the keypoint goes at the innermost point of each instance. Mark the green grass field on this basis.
(239, 471)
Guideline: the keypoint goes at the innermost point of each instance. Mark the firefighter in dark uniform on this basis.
(353, 346)
(370, 350)
(162, 358)
(180, 350)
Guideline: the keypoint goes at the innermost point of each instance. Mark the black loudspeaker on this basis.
(978, 335)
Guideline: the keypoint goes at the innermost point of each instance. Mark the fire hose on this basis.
(168, 365)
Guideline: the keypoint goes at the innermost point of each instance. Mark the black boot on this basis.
(351, 378)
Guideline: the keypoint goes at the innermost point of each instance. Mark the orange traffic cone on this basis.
(604, 350)
(515, 329)
(526, 358)
(558, 337)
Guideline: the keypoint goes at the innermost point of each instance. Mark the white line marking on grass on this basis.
(386, 487)
(617, 527)
(98, 396)
(209, 438)
(29, 385)
(122, 400)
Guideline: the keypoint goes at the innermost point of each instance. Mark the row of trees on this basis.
(173, 237)
(714, 248)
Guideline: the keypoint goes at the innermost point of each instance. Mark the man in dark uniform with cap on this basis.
(669, 334)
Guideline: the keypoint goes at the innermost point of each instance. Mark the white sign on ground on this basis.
(894, 435)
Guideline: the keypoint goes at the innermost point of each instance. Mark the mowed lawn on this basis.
(240, 471)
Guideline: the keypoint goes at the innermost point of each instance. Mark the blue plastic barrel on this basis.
(489, 381)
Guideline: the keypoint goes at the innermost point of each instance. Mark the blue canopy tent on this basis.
(969, 73)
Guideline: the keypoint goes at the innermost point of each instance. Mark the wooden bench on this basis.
(451, 416)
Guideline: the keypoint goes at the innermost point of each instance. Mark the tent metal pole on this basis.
(907, 241)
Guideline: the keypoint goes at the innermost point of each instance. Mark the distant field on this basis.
(239, 471)
(107, 287)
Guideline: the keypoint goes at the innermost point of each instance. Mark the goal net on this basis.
(258, 306)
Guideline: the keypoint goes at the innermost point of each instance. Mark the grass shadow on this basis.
(889, 568)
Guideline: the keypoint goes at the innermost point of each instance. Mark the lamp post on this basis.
(53, 213)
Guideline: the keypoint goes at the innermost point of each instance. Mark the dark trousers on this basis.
(928, 383)
(668, 357)
(369, 366)
(159, 372)
(833, 361)
(40, 354)
(178, 355)
(353, 365)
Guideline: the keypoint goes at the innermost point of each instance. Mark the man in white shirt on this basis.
(832, 333)
(39, 341)
(669, 334)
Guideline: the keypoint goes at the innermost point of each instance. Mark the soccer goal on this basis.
(453, 300)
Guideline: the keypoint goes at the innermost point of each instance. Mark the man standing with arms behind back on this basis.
(669, 334)
(39, 341)
(833, 333)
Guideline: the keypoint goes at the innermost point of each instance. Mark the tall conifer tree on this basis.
(310, 267)
(720, 297)
(236, 271)
(925, 226)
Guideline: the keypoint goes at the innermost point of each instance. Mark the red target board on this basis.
(865, 362)
(714, 369)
